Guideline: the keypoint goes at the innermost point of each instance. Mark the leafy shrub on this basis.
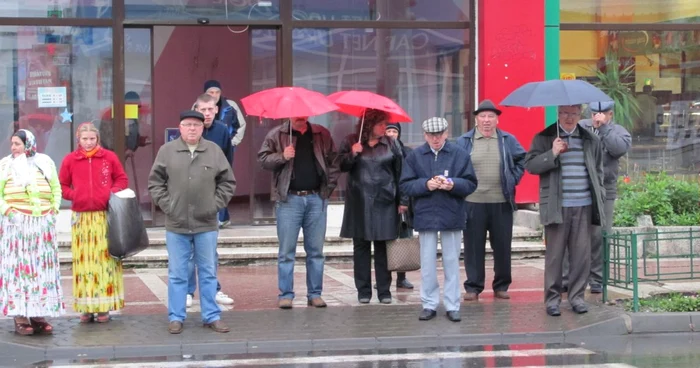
(669, 201)
(673, 302)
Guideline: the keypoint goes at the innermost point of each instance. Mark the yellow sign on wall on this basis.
(568, 76)
(131, 111)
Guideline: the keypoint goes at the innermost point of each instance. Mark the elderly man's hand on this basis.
(558, 146)
(599, 119)
(432, 185)
(289, 153)
(447, 185)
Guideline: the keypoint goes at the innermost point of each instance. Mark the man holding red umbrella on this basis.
(301, 156)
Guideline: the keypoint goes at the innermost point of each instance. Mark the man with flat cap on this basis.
(615, 142)
(438, 176)
(191, 180)
(499, 162)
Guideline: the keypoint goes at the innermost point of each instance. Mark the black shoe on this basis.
(363, 300)
(596, 289)
(403, 284)
(454, 316)
(580, 308)
(564, 289)
(554, 311)
(427, 314)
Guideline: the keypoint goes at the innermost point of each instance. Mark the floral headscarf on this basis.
(22, 165)
(29, 142)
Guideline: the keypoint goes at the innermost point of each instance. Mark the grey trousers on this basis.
(451, 242)
(572, 235)
(596, 276)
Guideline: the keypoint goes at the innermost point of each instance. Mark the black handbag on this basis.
(126, 232)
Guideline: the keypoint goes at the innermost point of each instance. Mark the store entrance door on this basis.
(165, 70)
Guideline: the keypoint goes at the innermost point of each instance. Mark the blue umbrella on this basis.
(555, 92)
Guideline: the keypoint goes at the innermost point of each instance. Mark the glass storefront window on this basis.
(212, 9)
(426, 71)
(56, 9)
(665, 76)
(54, 79)
(437, 10)
(630, 11)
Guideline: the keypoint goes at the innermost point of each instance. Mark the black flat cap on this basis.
(487, 105)
(191, 114)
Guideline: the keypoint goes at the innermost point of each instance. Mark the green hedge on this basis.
(670, 201)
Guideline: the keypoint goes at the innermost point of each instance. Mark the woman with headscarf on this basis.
(88, 175)
(30, 197)
(373, 163)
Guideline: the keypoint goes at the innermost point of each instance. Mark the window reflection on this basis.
(426, 71)
(665, 75)
(438, 10)
(60, 77)
(56, 9)
(626, 11)
(212, 9)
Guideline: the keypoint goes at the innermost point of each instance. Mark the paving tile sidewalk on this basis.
(258, 326)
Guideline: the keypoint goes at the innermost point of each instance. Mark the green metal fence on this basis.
(636, 257)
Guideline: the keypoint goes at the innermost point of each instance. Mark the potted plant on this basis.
(613, 79)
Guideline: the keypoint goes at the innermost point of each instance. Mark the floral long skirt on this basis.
(98, 283)
(30, 275)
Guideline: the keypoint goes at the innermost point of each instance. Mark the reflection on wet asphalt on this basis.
(660, 350)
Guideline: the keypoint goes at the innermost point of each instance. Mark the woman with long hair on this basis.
(88, 175)
(30, 197)
(372, 201)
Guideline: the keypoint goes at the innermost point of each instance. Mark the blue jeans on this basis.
(223, 215)
(308, 213)
(180, 250)
(192, 278)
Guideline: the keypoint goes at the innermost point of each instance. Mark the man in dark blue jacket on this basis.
(438, 176)
(499, 163)
(218, 133)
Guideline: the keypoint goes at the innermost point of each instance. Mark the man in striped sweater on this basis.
(569, 161)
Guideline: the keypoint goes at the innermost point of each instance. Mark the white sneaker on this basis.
(188, 303)
(222, 298)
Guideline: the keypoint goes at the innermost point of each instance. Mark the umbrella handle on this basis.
(362, 126)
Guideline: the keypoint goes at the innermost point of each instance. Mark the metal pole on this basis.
(635, 280)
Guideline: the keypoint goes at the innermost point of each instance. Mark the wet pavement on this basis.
(671, 350)
(258, 326)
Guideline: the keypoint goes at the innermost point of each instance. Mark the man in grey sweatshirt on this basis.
(615, 141)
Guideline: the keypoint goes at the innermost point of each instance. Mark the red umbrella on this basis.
(355, 103)
(287, 102)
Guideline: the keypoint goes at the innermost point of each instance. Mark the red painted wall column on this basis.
(511, 53)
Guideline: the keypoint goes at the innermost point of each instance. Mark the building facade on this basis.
(120, 62)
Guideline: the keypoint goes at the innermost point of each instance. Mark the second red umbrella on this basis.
(355, 103)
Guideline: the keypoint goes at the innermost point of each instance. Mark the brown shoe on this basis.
(285, 303)
(471, 297)
(501, 295)
(317, 302)
(218, 326)
(175, 327)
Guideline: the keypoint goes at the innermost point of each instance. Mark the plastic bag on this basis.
(126, 232)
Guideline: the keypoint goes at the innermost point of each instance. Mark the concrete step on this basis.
(266, 236)
(338, 252)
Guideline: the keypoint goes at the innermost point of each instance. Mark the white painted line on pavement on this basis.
(358, 358)
(156, 285)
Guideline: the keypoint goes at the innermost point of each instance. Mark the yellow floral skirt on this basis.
(98, 282)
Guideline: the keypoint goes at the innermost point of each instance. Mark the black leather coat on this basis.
(372, 195)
